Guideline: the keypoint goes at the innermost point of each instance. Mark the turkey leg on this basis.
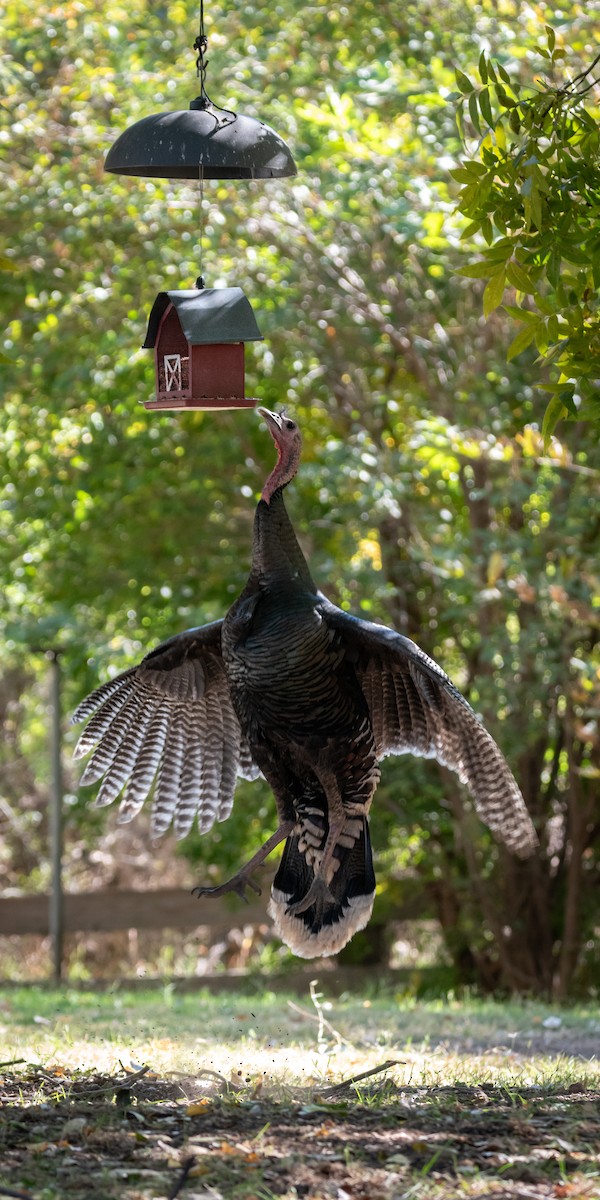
(319, 892)
(241, 880)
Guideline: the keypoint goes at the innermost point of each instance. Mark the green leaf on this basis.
(536, 208)
(493, 293)
(569, 403)
(483, 75)
(460, 174)
(518, 277)
(503, 73)
(474, 112)
(514, 120)
(503, 98)
(485, 106)
(551, 37)
(574, 253)
(463, 82)
(521, 314)
(555, 411)
(501, 250)
(487, 230)
(472, 228)
(541, 337)
(477, 270)
(523, 339)
(543, 304)
(468, 172)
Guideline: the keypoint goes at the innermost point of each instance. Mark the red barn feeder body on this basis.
(198, 338)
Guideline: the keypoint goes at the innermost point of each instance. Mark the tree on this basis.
(531, 193)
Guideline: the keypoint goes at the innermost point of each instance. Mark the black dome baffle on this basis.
(208, 142)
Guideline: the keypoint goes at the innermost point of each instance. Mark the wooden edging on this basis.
(332, 980)
(105, 912)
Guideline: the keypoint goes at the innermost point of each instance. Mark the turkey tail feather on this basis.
(319, 932)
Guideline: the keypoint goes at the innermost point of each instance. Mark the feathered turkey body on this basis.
(290, 686)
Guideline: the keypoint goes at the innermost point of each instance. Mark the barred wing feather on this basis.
(167, 727)
(416, 709)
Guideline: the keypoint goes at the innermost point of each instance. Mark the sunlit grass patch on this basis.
(299, 1041)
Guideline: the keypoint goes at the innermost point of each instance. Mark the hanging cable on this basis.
(200, 279)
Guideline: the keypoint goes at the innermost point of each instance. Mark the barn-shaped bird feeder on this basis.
(198, 339)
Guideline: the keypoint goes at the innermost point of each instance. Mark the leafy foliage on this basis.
(531, 193)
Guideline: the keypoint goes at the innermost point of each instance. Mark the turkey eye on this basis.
(290, 425)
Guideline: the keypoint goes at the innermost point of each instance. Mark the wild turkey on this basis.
(290, 686)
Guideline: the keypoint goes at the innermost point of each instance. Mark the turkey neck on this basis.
(276, 555)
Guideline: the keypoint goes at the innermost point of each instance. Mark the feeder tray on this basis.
(202, 142)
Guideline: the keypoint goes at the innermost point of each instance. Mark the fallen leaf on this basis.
(73, 1128)
(198, 1106)
(324, 1129)
(132, 1068)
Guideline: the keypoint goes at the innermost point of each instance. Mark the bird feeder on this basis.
(198, 337)
(205, 141)
(202, 142)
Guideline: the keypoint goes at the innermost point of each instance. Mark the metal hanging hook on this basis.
(221, 116)
(200, 45)
(201, 63)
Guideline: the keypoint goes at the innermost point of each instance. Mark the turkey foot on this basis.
(318, 894)
(241, 880)
(238, 883)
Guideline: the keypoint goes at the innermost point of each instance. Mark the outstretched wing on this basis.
(168, 726)
(416, 709)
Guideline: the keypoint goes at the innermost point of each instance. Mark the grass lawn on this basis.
(250, 1095)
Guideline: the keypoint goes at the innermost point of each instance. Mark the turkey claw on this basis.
(238, 885)
(318, 894)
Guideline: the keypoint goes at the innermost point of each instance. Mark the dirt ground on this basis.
(262, 1096)
(94, 1137)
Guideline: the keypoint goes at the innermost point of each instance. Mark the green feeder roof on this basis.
(207, 316)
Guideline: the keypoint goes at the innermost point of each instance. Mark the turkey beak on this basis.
(273, 421)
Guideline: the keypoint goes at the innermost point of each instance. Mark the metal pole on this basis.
(55, 823)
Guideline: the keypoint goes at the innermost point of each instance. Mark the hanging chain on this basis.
(200, 45)
(222, 116)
